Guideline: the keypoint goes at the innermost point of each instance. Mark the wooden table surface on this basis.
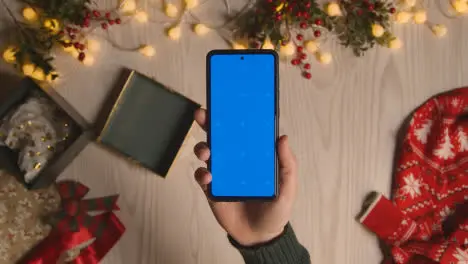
(342, 125)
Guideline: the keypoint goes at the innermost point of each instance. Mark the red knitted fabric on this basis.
(427, 219)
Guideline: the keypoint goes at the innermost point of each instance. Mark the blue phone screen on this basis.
(242, 125)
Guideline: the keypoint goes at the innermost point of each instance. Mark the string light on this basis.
(288, 50)
(38, 74)
(420, 17)
(395, 43)
(189, 4)
(9, 55)
(377, 30)
(30, 14)
(409, 3)
(174, 33)
(93, 45)
(171, 10)
(439, 30)
(333, 9)
(88, 60)
(147, 50)
(52, 24)
(28, 69)
(141, 16)
(324, 57)
(267, 44)
(201, 29)
(311, 46)
(460, 6)
(403, 17)
(128, 6)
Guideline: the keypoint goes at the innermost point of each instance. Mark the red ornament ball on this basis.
(81, 56)
(318, 22)
(307, 75)
(392, 10)
(317, 33)
(111, 22)
(278, 16)
(303, 56)
(306, 15)
(76, 45)
(104, 25)
(371, 7)
(308, 4)
(303, 25)
(118, 21)
(299, 37)
(307, 66)
(300, 49)
(96, 13)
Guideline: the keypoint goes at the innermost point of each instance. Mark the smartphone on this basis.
(242, 122)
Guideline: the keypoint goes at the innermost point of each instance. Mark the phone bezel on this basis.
(208, 121)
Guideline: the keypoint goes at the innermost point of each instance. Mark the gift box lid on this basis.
(146, 122)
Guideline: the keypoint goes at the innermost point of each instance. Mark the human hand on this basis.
(252, 223)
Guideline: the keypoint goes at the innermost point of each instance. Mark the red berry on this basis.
(307, 75)
(392, 10)
(118, 21)
(317, 33)
(303, 25)
(371, 7)
(295, 62)
(104, 25)
(303, 56)
(278, 16)
(108, 15)
(290, 8)
(300, 49)
(111, 22)
(306, 15)
(77, 45)
(96, 13)
(299, 14)
(66, 45)
(299, 37)
(318, 22)
(81, 56)
(307, 66)
(308, 5)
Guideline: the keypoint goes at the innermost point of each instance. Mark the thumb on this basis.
(287, 168)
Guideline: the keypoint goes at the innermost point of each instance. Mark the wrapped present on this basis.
(426, 221)
(55, 225)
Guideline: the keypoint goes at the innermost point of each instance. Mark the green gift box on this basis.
(146, 122)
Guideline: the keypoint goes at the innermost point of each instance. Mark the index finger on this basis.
(200, 117)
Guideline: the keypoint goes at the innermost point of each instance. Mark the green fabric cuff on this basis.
(284, 249)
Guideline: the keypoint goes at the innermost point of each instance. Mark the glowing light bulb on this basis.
(403, 17)
(38, 74)
(52, 24)
(311, 46)
(189, 4)
(30, 14)
(238, 46)
(409, 3)
(439, 30)
(288, 50)
(420, 17)
(141, 16)
(88, 60)
(267, 44)
(93, 45)
(171, 10)
(174, 33)
(28, 69)
(9, 55)
(377, 30)
(128, 6)
(460, 6)
(395, 43)
(201, 29)
(333, 9)
(324, 57)
(147, 50)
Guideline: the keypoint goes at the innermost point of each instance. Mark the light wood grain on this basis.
(342, 125)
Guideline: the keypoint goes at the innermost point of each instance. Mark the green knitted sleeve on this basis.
(283, 250)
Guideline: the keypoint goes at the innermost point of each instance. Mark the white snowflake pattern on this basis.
(445, 151)
(422, 132)
(412, 186)
(446, 212)
(398, 258)
(455, 102)
(462, 256)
